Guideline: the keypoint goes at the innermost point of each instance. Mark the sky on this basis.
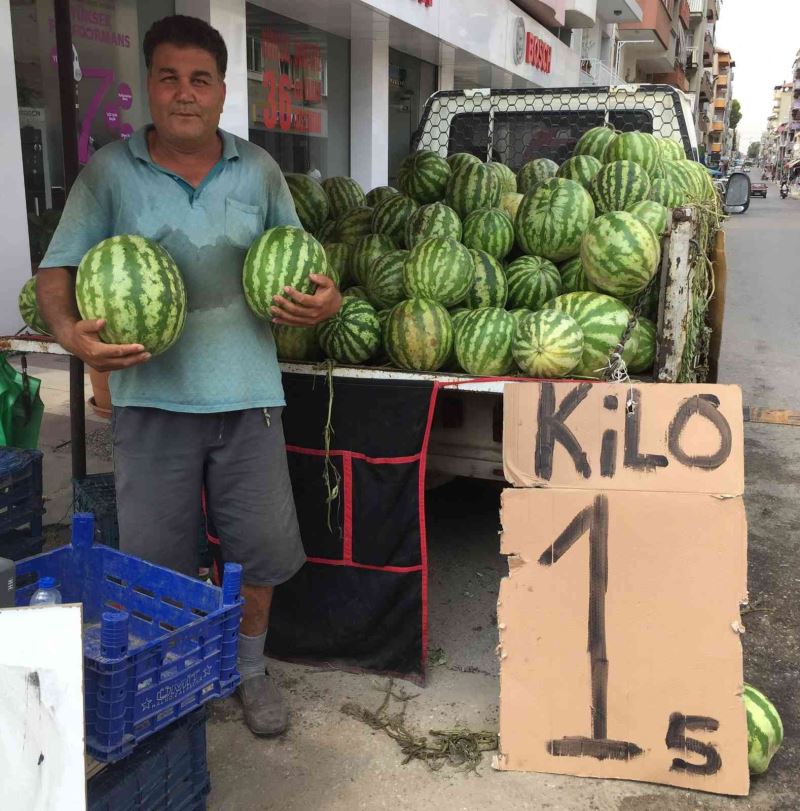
(763, 37)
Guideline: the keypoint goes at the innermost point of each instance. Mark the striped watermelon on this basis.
(691, 179)
(603, 320)
(390, 217)
(764, 729)
(353, 335)
(519, 313)
(535, 172)
(419, 335)
(551, 220)
(620, 253)
(423, 176)
(381, 357)
(280, 257)
(472, 187)
(573, 276)
(581, 169)
(619, 185)
(703, 182)
(440, 269)
(328, 233)
(548, 343)
(594, 142)
(310, 201)
(489, 286)
(340, 262)
(490, 230)
(638, 147)
(354, 225)
(458, 160)
(384, 280)
(296, 343)
(505, 176)
(356, 291)
(344, 194)
(366, 251)
(433, 220)
(532, 280)
(670, 150)
(379, 194)
(654, 214)
(649, 306)
(135, 285)
(483, 341)
(665, 192)
(644, 332)
(509, 202)
(29, 308)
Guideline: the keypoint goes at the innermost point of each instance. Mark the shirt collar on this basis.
(137, 144)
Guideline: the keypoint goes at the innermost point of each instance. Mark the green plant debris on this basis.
(437, 657)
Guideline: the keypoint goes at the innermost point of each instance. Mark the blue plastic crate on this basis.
(17, 544)
(167, 772)
(96, 494)
(156, 644)
(20, 490)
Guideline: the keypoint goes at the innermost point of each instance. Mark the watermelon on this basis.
(654, 214)
(649, 306)
(548, 343)
(619, 185)
(135, 285)
(532, 281)
(509, 202)
(535, 172)
(644, 332)
(440, 269)
(344, 194)
(391, 215)
(433, 220)
(489, 230)
(519, 313)
(703, 183)
(460, 159)
(328, 232)
(384, 280)
(423, 176)
(764, 729)
(379, 194)
(669, 149)
(489, 286)
(581, 169)
(296, 343)
(603, 320)
(353, 335)
(356, 291)
(419, 335)
(472, 187)
(505, 176)
(551, 220)
(620, 253)
(483, 341)
(665, 192)
(381, 357)
(366, 251)
(281, 257)
(573, 276)
(340, 262)
(691, 179)
(310, 201)
(637, 147)
(29, 308)
(354, 225)
(594, 142)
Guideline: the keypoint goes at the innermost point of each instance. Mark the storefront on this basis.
(326, 86)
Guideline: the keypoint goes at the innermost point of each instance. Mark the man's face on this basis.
(186, 94)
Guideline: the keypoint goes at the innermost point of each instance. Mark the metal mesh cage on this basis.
(516, 126)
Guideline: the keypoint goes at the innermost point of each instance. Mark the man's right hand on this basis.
(82, 339)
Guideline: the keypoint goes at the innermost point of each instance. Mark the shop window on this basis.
(298, 94)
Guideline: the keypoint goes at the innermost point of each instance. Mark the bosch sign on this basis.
(529, 48)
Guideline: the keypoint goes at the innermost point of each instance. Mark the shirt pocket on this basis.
(243, 222)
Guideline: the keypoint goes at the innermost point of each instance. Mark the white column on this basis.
(15, 268)
(369, 97)
(447, 66)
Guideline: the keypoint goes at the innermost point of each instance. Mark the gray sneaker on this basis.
(265, 710)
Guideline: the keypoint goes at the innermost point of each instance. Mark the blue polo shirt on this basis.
(225, 359)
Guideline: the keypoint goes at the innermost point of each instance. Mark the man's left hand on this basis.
(296, 309)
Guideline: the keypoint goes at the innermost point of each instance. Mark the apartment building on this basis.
(794, 124)
(703, 16)
(718, 140)
(777, 141)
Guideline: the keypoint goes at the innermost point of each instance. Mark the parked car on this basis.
(758, 189)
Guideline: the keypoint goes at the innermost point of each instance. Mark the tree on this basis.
(735, 115)
(753, 150)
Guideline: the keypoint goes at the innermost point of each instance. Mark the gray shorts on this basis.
(163, 459)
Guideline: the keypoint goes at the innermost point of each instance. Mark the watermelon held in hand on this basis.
(353, 335)
(483, 341)
(439, 269)
(135, 285)
(344, 194)
(29, 308)
(489, 230)
(548, 343)
(418, 335)
(310, 201)
(423, 176)
(764, 729)
(281, 257)
(532, 281)
(594, 142)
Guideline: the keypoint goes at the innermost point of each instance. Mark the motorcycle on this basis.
(784, 191)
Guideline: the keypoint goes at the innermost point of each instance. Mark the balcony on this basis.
(580, 13)
(595, 73)
(706, 90)
(683, 13)
(716, 148)
(697, 7)
(675, 78)
(720, 104)
(619, 11)
(548, 12)
(708, 51)
(712, 10)
(655, 24)
(691, 58)
(722, 81)
(717, 126)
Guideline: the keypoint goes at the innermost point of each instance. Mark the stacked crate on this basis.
(21, 505)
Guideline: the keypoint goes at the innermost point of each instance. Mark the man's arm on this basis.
(55, 294)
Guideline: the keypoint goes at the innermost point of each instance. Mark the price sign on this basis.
(619, 621)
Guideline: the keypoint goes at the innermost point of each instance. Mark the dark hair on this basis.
(186, 32)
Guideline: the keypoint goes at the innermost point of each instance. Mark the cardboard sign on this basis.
(650, 436)
(619, 621)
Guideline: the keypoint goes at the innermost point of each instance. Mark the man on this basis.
(206, 413)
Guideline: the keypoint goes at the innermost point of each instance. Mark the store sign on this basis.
(426, 3)
(530, 49)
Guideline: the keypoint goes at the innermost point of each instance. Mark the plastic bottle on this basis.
(47, 593)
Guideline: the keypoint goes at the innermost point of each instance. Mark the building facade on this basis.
(719, 138)
(777, 142)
